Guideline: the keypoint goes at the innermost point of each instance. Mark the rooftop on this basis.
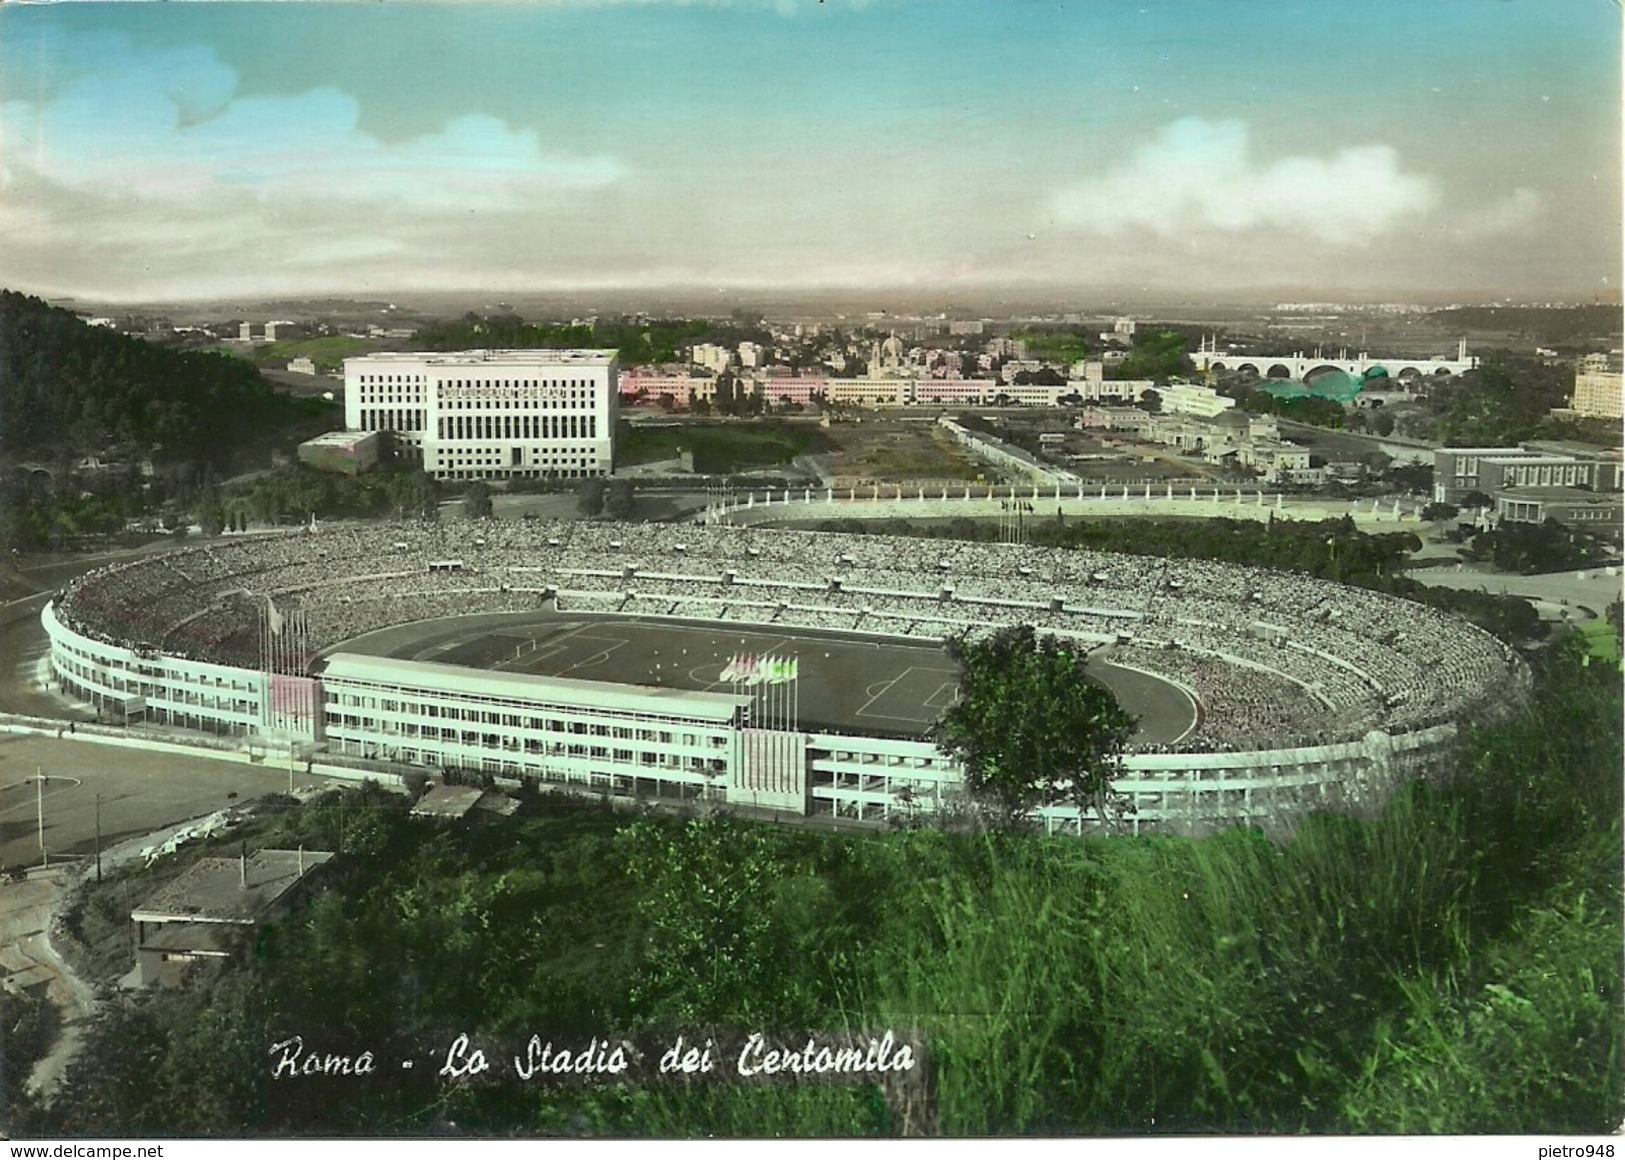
(526, 687)
(491, 357)
(1563, 494)
(1573, 447)
(447, 801)
(233, 890)
(340, 439)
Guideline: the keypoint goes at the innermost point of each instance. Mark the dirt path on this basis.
(28, 962)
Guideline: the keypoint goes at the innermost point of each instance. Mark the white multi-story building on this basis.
(1599, 391)
(713, 358)
(1184, 399)
(488, 414)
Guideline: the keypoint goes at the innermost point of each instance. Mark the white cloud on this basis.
(1198, 176)
(168, 126)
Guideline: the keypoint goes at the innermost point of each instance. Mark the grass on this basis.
(1601, 641)
(937, 460)
(327, 352)
(721, 449)
(1053, 345)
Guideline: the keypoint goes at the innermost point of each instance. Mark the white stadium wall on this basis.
(1398, 703)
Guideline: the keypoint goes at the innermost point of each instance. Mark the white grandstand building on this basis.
(1311, 695)
(491, 414)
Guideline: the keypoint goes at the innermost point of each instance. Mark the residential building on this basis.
(1598, 389)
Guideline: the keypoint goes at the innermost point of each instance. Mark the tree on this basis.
(1476, 499)
(1440, 512)
(1414, 478)
(1151, 401)
(1383, 423)
(1031, 728)
(477, 500)
(211, 515)
(618, 500)
(590, 497)
(1377, 462)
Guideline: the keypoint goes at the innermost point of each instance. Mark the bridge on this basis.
(1302, 366)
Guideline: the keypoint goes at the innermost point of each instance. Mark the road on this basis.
(1589, 592)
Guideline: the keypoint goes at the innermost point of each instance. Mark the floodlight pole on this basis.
(98, 837)
(39, 805)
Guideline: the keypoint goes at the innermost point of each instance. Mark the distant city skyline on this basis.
(1183, 150)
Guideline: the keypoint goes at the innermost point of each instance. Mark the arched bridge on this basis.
(1301, 366)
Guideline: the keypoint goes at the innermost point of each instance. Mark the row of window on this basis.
(553, 472)
(467, 739)
(147, 669)
(392, 419)
(345, 700)
(485, 389)
(517, 427)
(559, 401)
(95, 677)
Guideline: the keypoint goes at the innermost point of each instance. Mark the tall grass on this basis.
(1452, 965)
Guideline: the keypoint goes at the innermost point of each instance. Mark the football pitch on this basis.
(845, 683)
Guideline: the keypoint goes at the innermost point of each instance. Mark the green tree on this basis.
(590, 497)
(1435, 512)
(1030, 727)
(1414, 478)
(619, 499)
(477, 500)
(211, 515)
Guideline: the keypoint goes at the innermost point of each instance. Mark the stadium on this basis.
(791, 671)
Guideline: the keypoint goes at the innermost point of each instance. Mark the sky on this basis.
(1366, 149)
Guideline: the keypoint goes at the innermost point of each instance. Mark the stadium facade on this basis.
(245, 638)
(491, 414)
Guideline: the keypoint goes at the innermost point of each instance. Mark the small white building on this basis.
(1185, 399)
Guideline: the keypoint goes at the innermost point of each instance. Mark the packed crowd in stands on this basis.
(1268, 655)
(1238, 707)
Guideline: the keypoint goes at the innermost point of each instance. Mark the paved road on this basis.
(1589, 592)
(140, 791)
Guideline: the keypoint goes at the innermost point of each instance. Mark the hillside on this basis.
(71, 390)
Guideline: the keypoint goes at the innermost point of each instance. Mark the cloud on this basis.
(1521, 208)
(1198, 176)
(167, 126)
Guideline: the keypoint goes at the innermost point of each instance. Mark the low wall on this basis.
(772, 507)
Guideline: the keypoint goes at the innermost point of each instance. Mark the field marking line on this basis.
(541, 655)
(601, 657)
(863, 711)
